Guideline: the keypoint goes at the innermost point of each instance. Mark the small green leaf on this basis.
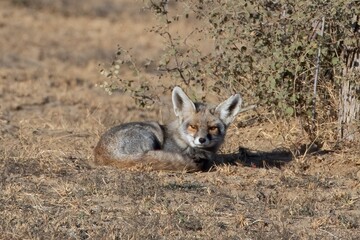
(293, 98)
(334, 60)
(289, 111)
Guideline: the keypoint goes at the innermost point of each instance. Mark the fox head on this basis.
(202, 126)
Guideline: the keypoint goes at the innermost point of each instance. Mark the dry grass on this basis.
(51, 115)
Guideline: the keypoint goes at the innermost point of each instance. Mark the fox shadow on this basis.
(264, 159)
(251, 158)
(267, 159)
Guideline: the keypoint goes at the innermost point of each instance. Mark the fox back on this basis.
(188, 143)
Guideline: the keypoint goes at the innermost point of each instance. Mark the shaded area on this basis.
(261, 159)
(266, 159)
(252, 158)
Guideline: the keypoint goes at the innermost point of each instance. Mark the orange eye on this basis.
(192, 127)
(214, 128)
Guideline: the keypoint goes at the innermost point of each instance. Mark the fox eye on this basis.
(213, 128)
(192, 127)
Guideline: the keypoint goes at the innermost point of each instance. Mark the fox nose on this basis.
(202, 140)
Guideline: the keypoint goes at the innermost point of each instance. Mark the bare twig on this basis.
(334, 236)
(248, 108)
(317, 73)
(178, 67)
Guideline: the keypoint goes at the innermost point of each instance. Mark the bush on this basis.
(269, 51)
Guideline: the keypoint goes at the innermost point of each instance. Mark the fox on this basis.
(189, 143)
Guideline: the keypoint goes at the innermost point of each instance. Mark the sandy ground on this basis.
(52, 114)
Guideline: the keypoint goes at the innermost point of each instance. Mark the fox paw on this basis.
(201, 158)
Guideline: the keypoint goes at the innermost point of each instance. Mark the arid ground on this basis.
(52, 114)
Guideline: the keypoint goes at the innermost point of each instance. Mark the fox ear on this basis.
(181, 102)
(229, 108)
